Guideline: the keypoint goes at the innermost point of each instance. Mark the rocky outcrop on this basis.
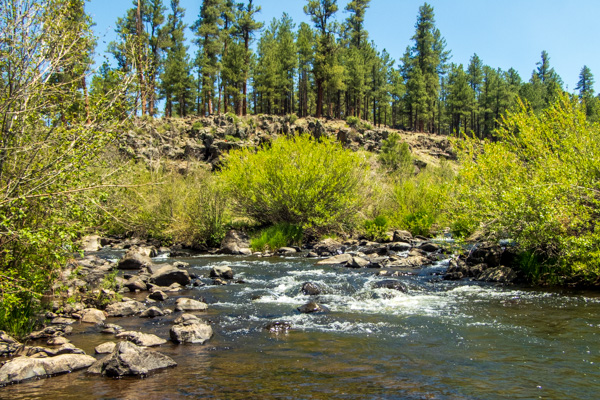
(23, 368)
(129, 359)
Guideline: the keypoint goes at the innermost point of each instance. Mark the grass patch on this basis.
(277, 236)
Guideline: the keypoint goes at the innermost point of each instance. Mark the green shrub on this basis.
(376, 228)
(297, 180)
(233, 139)
(419, 201)
(170, 207)
(277, 236)
(352, 121)
(538, 184)
(196, 126)
(395, 155)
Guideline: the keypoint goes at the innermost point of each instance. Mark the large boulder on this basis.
(169, 274)
(92, 316)
(191, 331)
(23, 368)
(129, 359)
(142, 339)
(184, 304)
(134, 260)
(125, 308)
(236, 242)
(410, 262)
(402, 236)
(328, 247)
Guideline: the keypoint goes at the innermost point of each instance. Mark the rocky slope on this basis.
(179, 141)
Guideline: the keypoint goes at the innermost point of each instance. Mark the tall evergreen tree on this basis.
(321, 12)
(177, 83)
(585, 84)
(207, 30)
(247, 26)
(304, 44)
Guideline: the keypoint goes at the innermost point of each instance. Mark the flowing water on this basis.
(441, 340)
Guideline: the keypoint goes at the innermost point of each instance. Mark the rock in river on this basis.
(169, 274)
(191, 331)
(129, 359)
(184, 304)
(312, 307)
(221, 271)
(23, 368)
(390, 284)
(310, 289)
(142, 339)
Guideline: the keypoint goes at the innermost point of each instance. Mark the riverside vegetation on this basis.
(69, 164)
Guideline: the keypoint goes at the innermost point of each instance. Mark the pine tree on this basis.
(177, 83)
(246, 27)
(426, 62)
(475, 77)
(321, 12)
(207, 30)
(304, 44)
(459, 98)
(585, 86)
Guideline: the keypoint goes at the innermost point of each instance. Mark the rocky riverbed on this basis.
(101, 289)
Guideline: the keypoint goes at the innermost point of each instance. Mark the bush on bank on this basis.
(539, 185)
(315, 184)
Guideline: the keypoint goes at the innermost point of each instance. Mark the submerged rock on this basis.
(391, 284)
(312, 307)
(278, 327)
(129, 359)
(23, 368)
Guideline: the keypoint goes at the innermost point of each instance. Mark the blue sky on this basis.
(508, 33)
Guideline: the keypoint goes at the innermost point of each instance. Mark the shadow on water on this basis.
(442, 340)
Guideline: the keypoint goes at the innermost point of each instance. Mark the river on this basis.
(441, 340)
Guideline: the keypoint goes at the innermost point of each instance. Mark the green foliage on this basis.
(352, 121)
(189, 209)
(298, 180)
(230, 138)
(274, 237)
(539, 186)
(196, 126)
(376, 228)
(395, 155)
(419, 201)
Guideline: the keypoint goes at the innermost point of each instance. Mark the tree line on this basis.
(330, 69)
